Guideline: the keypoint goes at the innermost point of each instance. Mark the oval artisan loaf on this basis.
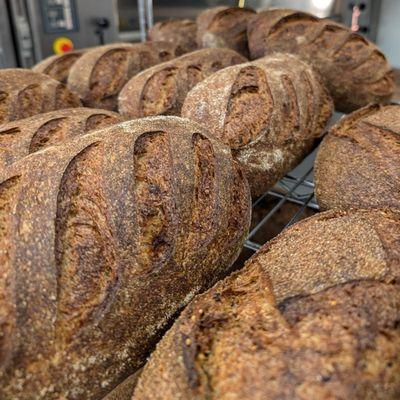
(354, 70)
(224, 27)
(161, 90)
(103, 240)
(99, 75)
(58, 65)
(181, 32)
(304, 319)
(358, 162)
(268, 111)
(25, 136)
(24, 93)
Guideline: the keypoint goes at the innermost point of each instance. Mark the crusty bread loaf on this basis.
(313, 315)
(224, 27)
(358, 162)
(24, 93)
(99, 75)
(25, 136)
(354, 70)
(181, 32)
(58, 65)
(103, 240)
(161, 90)
(269, 112)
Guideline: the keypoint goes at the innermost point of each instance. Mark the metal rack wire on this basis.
(293, 189)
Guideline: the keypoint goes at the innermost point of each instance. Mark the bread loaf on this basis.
(99, 75)
(161, 90)
(103, 240)
(224, 27)
(354, 70)
(24, 93)
(58, 65)
(181, 32)
(358, 163)
(25, 136)
(269, 112)
(313, 315)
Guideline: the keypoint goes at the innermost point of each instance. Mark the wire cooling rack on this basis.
(297, 188)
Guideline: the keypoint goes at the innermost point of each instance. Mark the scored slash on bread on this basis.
(104, 239)
(354, 70)
(305, 318)
(269, 112)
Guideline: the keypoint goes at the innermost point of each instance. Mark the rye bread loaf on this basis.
(58, 65)
(268, 111)
(313, 315)
(358, 162)
(181, 32)
(24, 93)
(161, 90)
(224, 27)
(99, 75)
(25, 136)
(354, 70)
(103, 240)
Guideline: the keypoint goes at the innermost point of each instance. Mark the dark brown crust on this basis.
(225, 28)
(161, 90)
(268, 111)
(99, 75)
(103, 249)
(305, 318)
(181, 32)
(24, 93)
(355, 72)
(25, 136)
(59, 65)
(358, 162)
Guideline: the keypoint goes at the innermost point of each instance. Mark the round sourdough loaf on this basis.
(313, 315)
(58, 65)
(355, 71)
(358, 162)
(99, 74)
(270, 112)
(224, 27)
(26, 136)
(181, 32)
(103, 240)
(161, 90)
(24, 93)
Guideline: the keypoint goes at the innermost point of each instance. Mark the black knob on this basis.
(102, 22)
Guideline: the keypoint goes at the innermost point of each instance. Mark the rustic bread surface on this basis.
(304, 319)
(26, 136)
(181, 32)
(58, 65)
(355, 71)
(358, 162)
(103, 240)
(269, 112)
(24, 93)
(161, 90)
(99, 75)
(224, 27)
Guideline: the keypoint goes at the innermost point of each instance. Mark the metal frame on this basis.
(298, 190)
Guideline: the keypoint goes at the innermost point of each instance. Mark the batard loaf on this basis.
(269, 112)
(103, 240)
(99, 75)
(161, 90)
(24, 93)
(313, 315)
(354, 70)
(358, 162)
(25, 136)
